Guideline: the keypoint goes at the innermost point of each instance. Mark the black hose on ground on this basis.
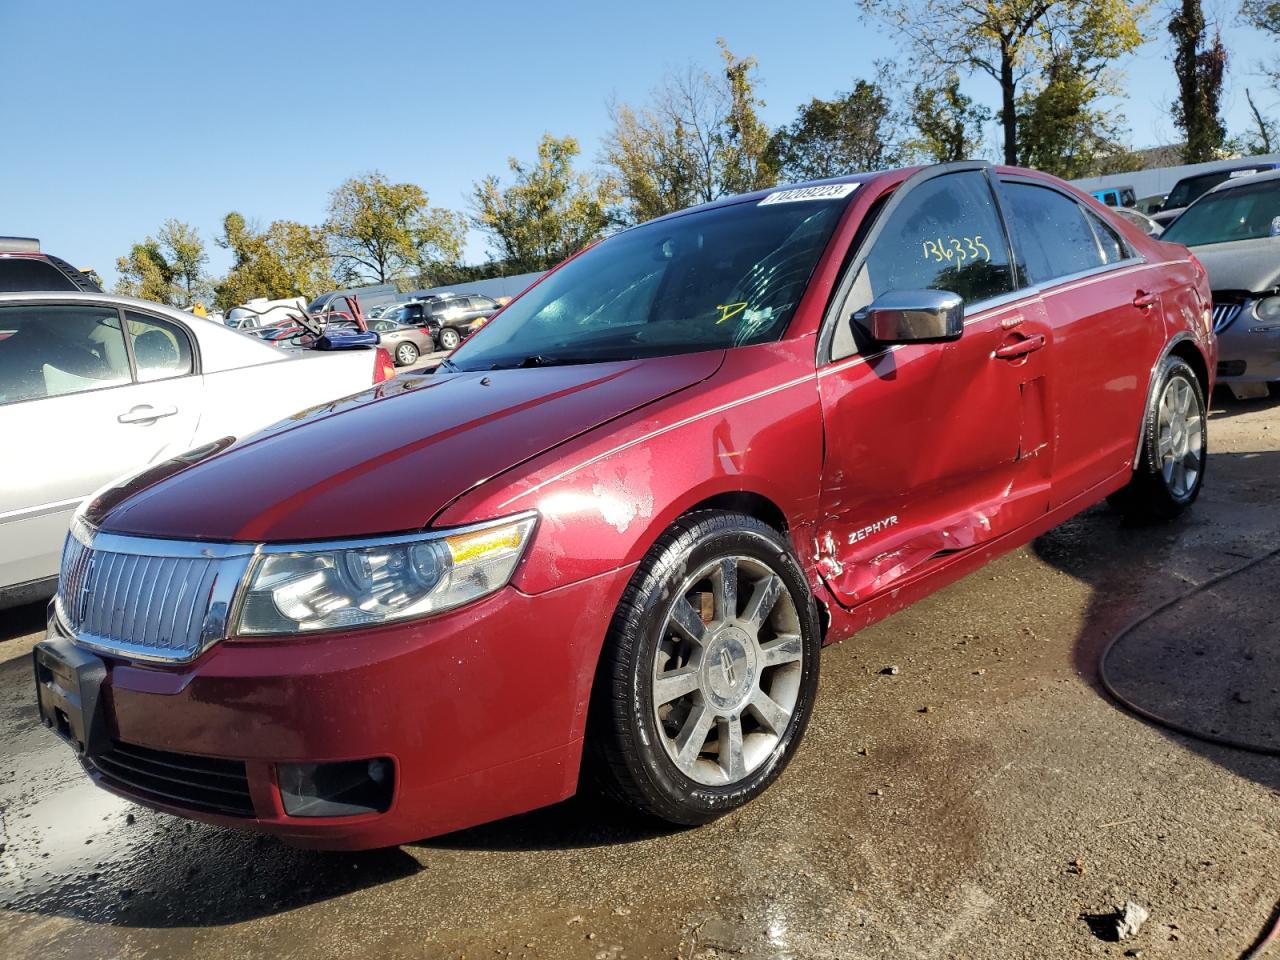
(1271, 933)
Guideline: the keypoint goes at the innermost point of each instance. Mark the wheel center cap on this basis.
(729, 667)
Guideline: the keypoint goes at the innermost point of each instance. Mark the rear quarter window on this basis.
(1050, 233)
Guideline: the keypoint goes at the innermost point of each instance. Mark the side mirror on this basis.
(913, 316)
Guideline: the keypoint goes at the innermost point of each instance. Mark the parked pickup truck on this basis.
(95, 386)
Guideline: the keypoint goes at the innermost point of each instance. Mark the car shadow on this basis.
(21, 621)
(1224, 403)
(1208, 662)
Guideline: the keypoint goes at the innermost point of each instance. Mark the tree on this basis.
(288, 259)
(1200, 70)
(947, 123)
(550, 210)
(699, 138)
(1009, 40)
(1061, 129)
(186, 255)
(145, 273)
(383, 231)
(168, 268)
(853, 131)
(1264, 137)
(1265, 16)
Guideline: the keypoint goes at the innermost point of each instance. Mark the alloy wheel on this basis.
(1180, 445)
(727, 675)
(406, 353)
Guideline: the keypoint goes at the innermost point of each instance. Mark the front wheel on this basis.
(709, 671)
(1171, 467)
(449, 339)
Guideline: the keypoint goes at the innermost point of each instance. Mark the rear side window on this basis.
(1113, 248)
(1050, 233)
(946, 235)
(49, 351)
(26, 274)
(160, 349)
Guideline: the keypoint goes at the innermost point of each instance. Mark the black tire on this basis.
(1150, 496)
(626, 752)
(405, 354)
(449, 338)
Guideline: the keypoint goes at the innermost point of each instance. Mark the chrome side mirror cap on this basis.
(913, 316)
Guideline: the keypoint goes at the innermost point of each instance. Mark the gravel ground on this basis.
(1001, 823)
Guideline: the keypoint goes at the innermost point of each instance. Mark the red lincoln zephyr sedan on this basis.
(629, 512)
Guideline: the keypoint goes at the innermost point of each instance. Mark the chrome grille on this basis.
(147, 599)
(1224, 313)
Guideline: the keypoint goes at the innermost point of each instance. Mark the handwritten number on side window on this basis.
(955, 250)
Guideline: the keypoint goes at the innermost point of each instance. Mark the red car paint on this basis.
(893, 473)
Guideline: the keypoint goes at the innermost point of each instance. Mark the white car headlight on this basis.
(1268, 309)
(302, 587)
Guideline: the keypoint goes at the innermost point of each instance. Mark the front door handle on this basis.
(1143, 300)
(1020, 348)
(146, 413)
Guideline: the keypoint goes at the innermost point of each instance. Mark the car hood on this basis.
(1252, 266)
(390, 459)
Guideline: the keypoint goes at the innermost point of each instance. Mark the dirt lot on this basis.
(994, 825)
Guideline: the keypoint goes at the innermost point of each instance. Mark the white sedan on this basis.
(95, 386)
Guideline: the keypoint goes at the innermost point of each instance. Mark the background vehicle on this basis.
(24, 267)
(404, 341)
(1117, 196)
(1186, 190)
(261, 312)
(459, 316)
(1234, 230)
(660, 480)
(94, 386)
(1150, 205)
(1140, 220)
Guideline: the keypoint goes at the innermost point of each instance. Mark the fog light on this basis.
(343, 789)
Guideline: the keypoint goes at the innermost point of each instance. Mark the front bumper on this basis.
(1249, 349)
(480, 710)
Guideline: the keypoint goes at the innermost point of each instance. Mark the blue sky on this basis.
(118, 115)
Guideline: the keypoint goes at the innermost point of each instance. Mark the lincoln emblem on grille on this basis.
(81, 600)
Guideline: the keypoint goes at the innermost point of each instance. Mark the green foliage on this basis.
(1200, 70)
(1010, 40)
(381, 231)
(1262, 137)
(548, 212)
(852, 132)
(1061, 128)
(948, 125)
(699, 138)
(167, 269)
(288, 259)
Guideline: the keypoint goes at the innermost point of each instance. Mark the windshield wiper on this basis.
(542, 360)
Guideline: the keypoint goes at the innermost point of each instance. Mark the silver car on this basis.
(404, 341)
(1234, 230)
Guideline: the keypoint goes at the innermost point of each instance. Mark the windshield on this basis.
(724, 277)
(1241, 213)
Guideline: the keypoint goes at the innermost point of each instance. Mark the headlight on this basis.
(1268, 309)
(303, 587)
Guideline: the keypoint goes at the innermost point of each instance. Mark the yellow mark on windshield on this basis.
(728, 310)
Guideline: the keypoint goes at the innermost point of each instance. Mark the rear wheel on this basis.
(1171, 468)
(449, 339)
(709, 672)
(406, 353)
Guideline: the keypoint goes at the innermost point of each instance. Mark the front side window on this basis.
(160, 349)
(1238, 213)
(49, 351)
(713, 279)
(1050, 232)
(945, 235)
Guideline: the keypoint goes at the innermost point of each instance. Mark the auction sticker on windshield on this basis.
(830, 191)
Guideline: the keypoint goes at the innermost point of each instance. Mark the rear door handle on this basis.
(1144, 301)
(145, 413)
(1020, 348)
